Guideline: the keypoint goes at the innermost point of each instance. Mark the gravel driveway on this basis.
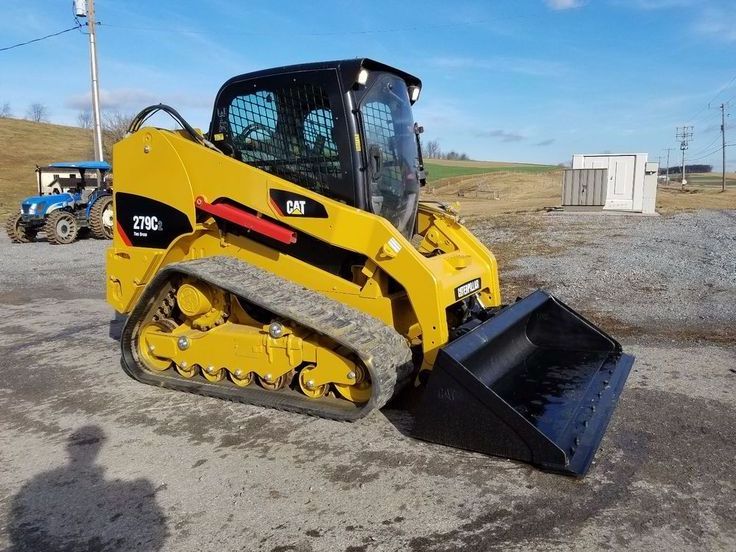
(91, 460)
(650, 275)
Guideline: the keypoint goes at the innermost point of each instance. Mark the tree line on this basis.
(36, 112)
(677, 169)
(431, 150)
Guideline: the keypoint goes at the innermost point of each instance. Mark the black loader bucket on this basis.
(537, 383)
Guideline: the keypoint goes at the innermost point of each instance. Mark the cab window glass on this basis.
(288, 132)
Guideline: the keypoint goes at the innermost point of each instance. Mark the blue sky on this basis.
(528, 80)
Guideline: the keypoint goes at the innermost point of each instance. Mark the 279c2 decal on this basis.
(145, 222)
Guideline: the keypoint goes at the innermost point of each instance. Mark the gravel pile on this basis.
(670, 273)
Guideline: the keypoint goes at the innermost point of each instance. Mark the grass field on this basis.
(500, 192)
(710, 179)
(27, 144)
(671, 199)
(439, 169)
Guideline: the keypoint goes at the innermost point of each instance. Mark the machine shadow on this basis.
(115, 329)
(75, 508)
(401, 409)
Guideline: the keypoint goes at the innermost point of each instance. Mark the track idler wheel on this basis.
(186, 371)
(360, 391)
(147, 351)
(241, 378)
(310, 389)
(274, 384)
(213, 375)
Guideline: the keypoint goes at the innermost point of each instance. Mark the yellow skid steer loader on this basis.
(284, 259)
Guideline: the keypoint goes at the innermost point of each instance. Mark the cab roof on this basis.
(347, 69)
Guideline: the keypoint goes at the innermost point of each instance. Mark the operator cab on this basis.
(343, 129)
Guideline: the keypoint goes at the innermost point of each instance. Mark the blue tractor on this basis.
(71, 198)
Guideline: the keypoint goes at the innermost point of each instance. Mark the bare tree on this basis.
(84, 119)
(433, 149)
(5, 112)
(37, 112)
(115, 125)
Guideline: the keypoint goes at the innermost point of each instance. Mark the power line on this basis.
(717, 138)
(720, 91)
(710, 154)
(40, 39)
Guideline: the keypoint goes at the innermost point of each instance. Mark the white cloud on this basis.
(503, 135)
(120, 99)
(718, 24)
(134, 99)
(564, 4)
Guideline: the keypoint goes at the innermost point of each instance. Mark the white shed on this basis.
(632, 181)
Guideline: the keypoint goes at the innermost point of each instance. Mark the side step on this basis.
(537, 383)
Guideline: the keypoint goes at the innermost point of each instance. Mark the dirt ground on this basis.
(91, 460)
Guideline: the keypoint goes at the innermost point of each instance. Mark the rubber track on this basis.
(384, 352)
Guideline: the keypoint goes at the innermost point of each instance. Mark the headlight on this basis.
(414, 93)
(32, 208)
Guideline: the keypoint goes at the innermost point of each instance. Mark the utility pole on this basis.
(684, 134)
(723, 146)
(86, 8)
(667, 178)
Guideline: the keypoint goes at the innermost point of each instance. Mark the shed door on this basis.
(620, 189)
(621, 182)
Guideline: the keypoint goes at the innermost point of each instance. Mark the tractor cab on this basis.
(58, 178)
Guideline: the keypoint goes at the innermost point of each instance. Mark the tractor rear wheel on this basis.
(61, 228)
(17, 232)
(101, 218)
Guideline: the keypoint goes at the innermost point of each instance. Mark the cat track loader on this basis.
(284, 259)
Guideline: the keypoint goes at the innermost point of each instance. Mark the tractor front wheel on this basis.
(17, 232)
(61, 228)
(101, 218)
